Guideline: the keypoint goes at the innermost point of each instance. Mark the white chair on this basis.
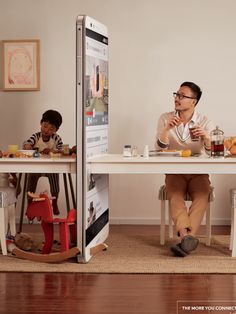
(7, 210)
(163, 197)
(232, 245)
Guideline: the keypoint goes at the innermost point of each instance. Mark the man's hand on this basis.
(198, 131)
(173, 121)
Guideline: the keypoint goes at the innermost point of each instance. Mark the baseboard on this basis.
(156, 221)
(150, 221)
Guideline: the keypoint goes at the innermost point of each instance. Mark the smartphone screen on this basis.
(92, 132)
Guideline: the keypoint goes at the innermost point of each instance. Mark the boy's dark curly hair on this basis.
(53, 117)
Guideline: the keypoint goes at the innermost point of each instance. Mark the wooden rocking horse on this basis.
(40, 208)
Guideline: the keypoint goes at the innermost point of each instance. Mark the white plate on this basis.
(152, 154)
(26, 152)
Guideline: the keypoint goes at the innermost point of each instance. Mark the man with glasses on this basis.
(173, 133)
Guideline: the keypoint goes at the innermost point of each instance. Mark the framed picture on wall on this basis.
(21, 65)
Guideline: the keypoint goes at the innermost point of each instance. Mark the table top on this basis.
(116, 163)
(43, 164)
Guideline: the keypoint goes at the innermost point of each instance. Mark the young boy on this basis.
(46, 140)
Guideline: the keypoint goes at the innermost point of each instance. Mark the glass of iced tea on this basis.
(194, 138)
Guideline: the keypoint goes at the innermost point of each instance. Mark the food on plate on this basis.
(55, 154)
(233, 139)
(233, 150)
(186, 153)
(18, 154)
(169, 150)
(228, 143)
(24, 153)
(5, 154)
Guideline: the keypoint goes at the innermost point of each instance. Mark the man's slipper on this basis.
(176, 249)
(189, 243)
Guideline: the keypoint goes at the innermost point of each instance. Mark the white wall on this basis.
(154, 46)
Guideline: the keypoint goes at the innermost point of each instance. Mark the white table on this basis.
(117, 164)
(44, 164)
(38, 165)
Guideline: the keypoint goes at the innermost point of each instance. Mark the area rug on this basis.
(138, 253)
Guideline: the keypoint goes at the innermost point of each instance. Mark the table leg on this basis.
(18, 189)
(72, 191)
(66, 192)
(23, 204)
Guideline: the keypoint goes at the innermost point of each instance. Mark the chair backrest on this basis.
(40, 209)
(4, 180)
(71, 217)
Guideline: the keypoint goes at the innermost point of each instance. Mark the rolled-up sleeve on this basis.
(160, 126)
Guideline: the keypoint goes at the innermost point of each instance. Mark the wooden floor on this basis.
(112, 293)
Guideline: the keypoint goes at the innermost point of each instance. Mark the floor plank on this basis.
(111, 293)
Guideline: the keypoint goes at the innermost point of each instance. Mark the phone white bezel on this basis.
(82, 23)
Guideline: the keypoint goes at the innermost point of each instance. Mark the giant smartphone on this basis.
(92, 132)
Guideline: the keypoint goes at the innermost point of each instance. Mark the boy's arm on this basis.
(29, 144)
(58, 142)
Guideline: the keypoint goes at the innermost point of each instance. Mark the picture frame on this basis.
(21, 65)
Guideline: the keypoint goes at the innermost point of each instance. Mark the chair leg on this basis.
(170, 223)
(12, 219)
(208, 225)
(23, 203)
(163, 222)
(72, 191)
(66, 192)
(6, 219)
(48, 235)
(73, 237)
(3, 231)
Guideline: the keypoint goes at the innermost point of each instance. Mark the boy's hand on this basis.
(46, 151)
(28, 147)
(73, 150)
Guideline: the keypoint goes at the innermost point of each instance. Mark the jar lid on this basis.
(217, 131)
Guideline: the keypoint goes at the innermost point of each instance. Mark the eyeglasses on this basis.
(181, 96)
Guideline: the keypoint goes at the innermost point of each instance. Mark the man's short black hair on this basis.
(53, 117)
(196, 90)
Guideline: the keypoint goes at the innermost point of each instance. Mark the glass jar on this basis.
(134, 151)
(127, 152)
(217, 142)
